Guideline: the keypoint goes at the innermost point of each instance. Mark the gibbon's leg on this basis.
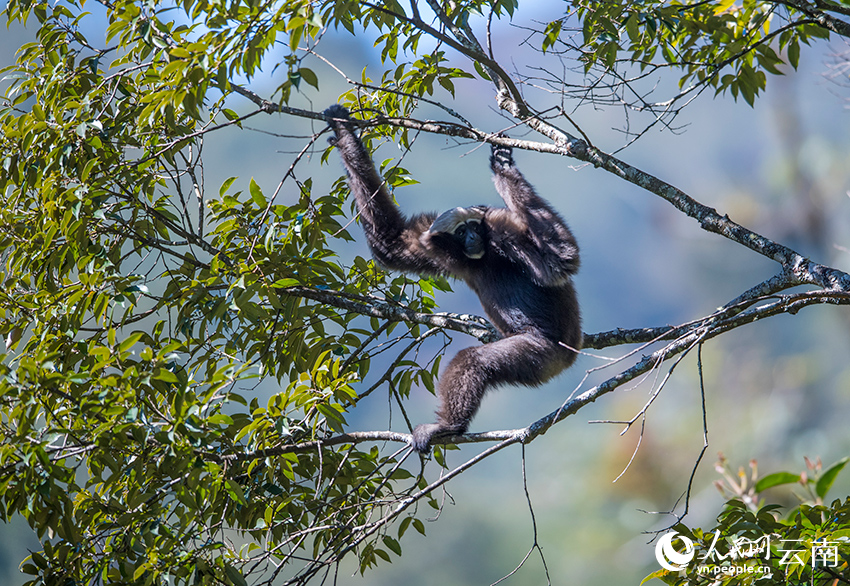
(527, 359)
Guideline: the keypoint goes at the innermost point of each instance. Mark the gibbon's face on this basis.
(470, 235)
(464, 229)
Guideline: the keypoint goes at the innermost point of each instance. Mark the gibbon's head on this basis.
(465, 227)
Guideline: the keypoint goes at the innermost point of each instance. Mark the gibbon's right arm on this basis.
(395, 241)
(529, 231)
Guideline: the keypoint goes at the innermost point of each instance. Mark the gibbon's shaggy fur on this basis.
(518, 259)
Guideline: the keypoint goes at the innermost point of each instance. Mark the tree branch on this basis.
(683, 338)
(475, 326)
(827, 21)
(800, 269)
(468, 48)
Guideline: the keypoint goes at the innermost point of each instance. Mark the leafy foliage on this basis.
(724, 45)
(137, 309)
(753, 544)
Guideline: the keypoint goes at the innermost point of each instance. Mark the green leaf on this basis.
(392, 544)
(226, 185)
(165, 375)
(551, 34)
(130, 341)
(295, 78)
(481, 71)
(236, 491)
(776, 479)
(660, 574)
(235, 576)
(221, 419)
(283, 283)
(828, 477)
(257, 194)
(794, 53)
(310, 77)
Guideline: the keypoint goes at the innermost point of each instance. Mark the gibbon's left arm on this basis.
(529, 231)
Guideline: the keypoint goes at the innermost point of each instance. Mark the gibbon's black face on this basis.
(461, 231)
(470, 235)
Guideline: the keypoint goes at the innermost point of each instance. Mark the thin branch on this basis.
(468, 49)
(535, 543)
(375, 307)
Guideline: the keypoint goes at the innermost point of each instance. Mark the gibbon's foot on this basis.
(425, 432)
(421, 437)
(500, 156)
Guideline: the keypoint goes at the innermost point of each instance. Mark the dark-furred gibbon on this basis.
(519, 259)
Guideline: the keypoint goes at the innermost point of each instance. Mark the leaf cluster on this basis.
(141, 313)
(810, 544)
(725, 45)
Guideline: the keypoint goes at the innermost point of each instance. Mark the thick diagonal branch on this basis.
(686, 337)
